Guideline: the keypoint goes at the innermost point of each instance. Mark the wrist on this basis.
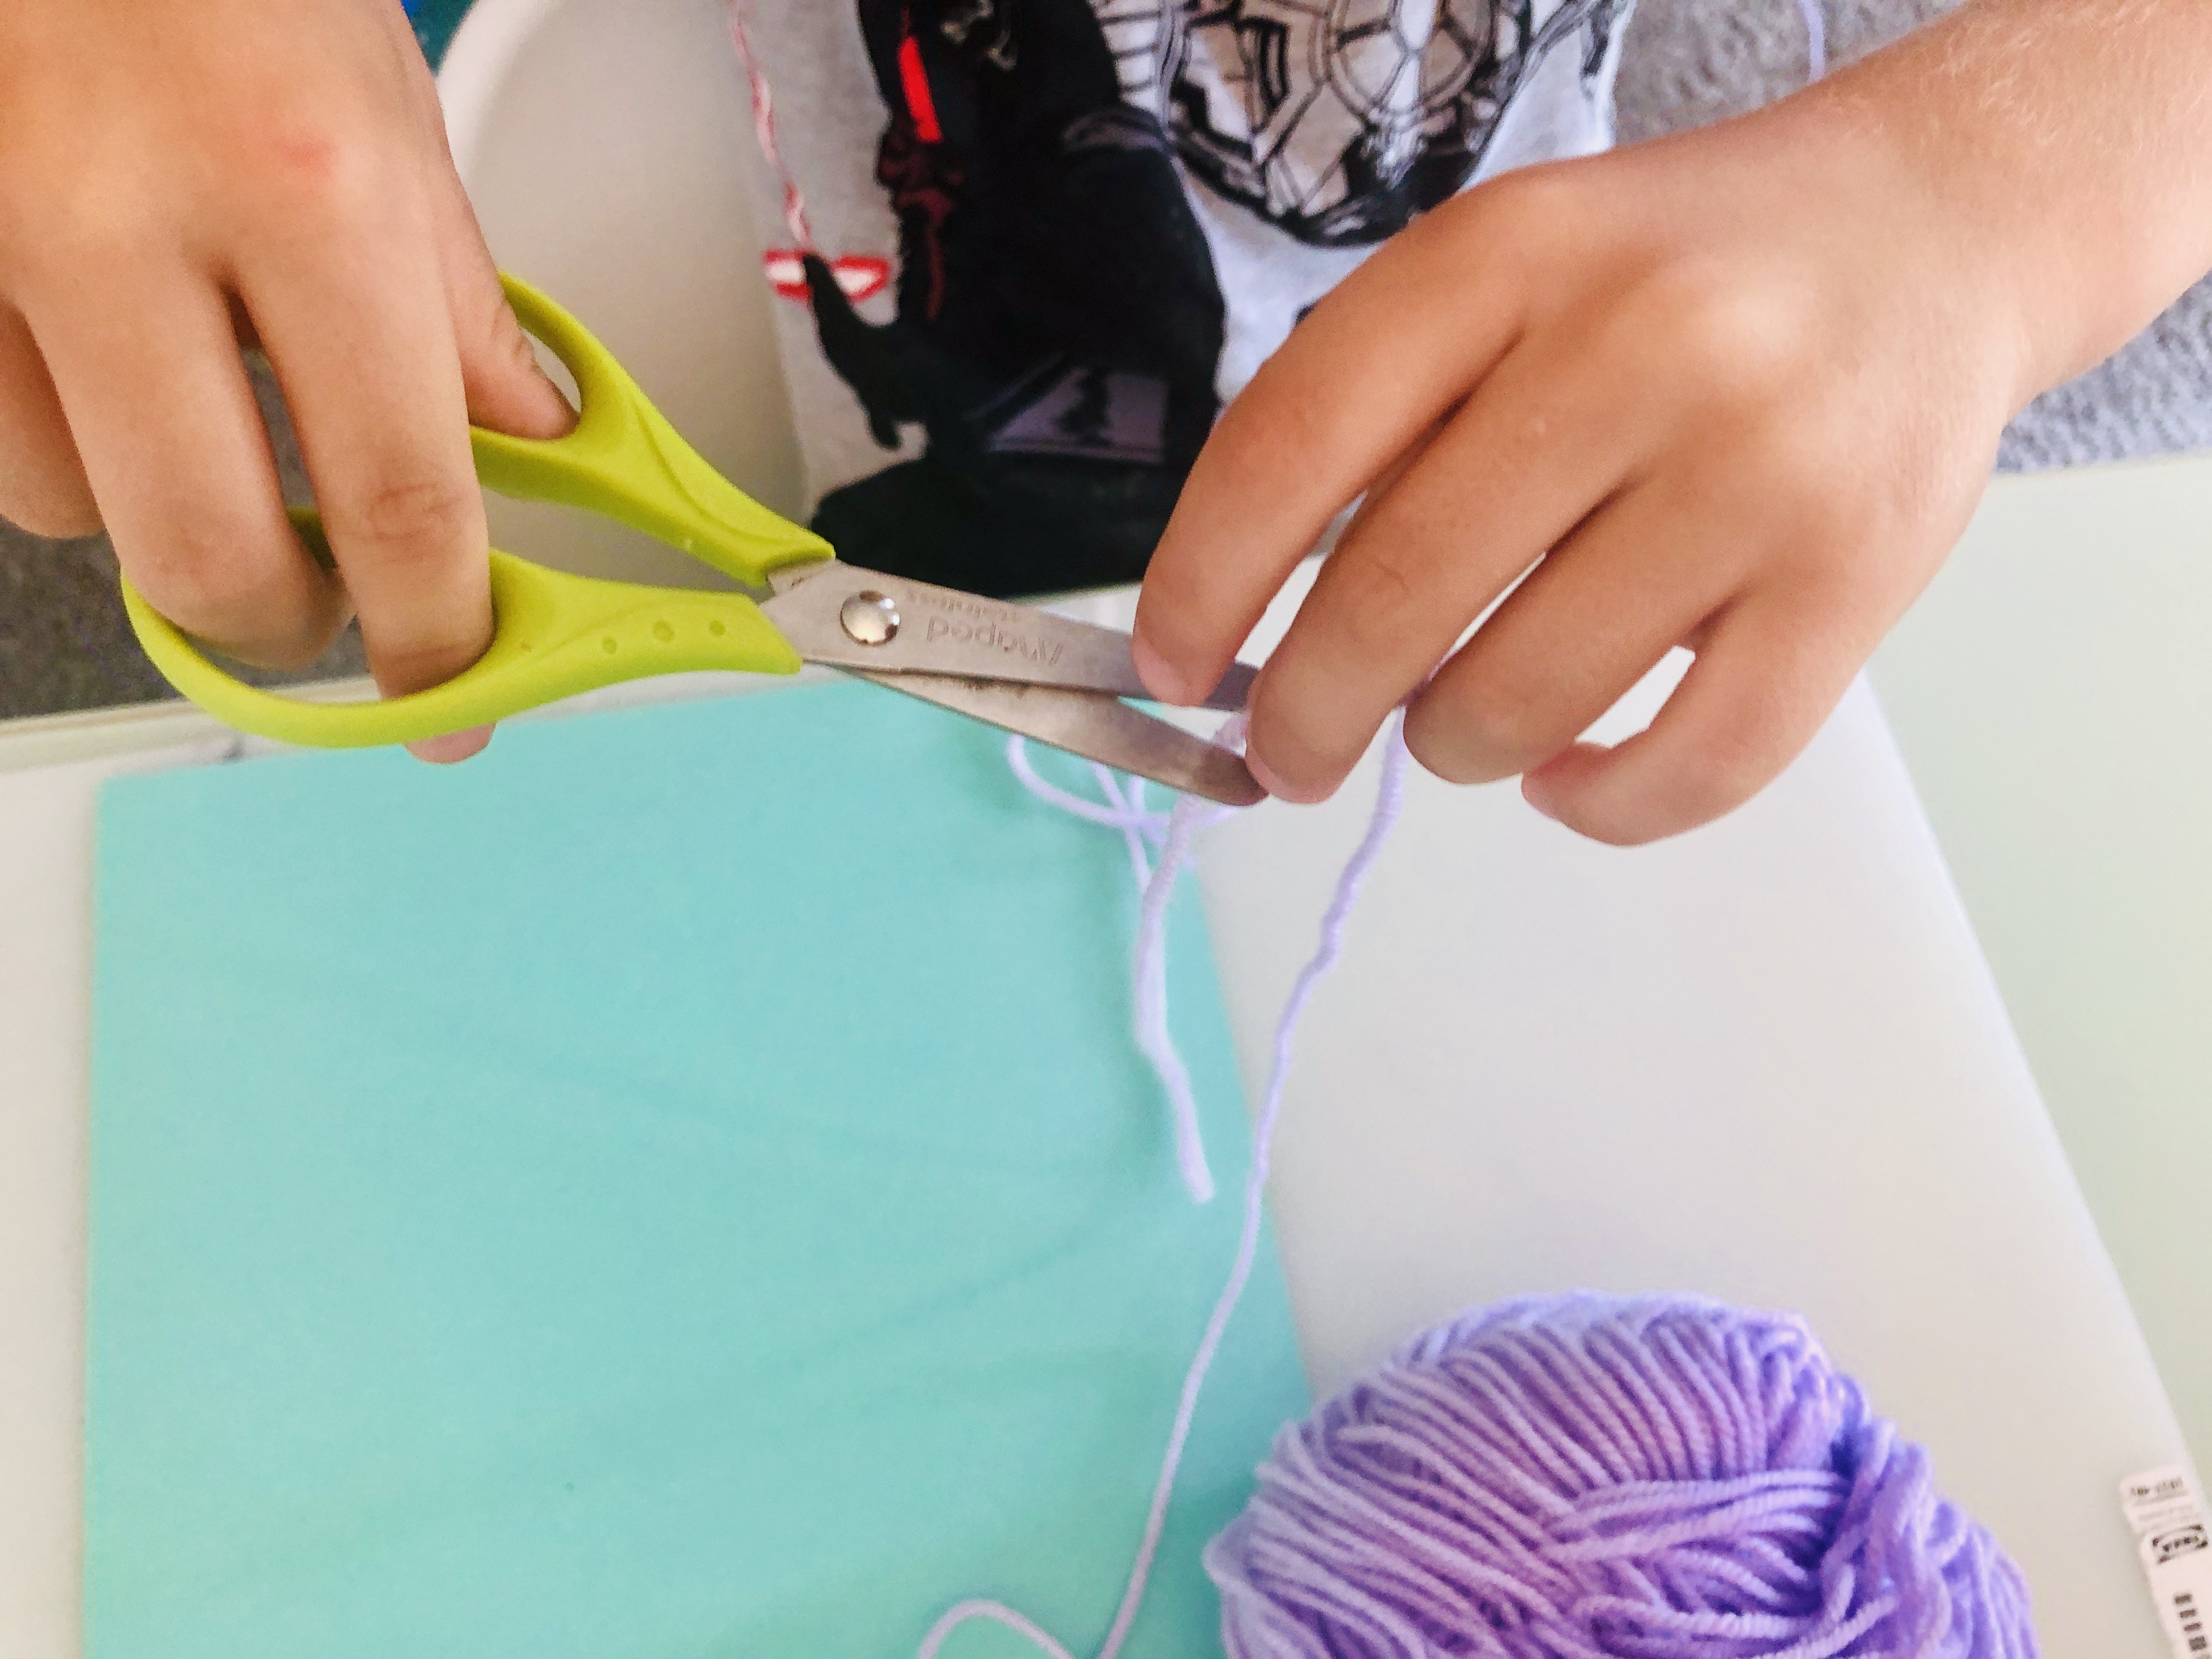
(2054, 156)
(1883, 235)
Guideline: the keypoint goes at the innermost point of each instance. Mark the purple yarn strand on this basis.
(1157, 886)
(1148, 972)
(1123, 809)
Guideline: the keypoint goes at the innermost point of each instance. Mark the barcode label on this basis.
(2192, 1623)
(2174, 1538)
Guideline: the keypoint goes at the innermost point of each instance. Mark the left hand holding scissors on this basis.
(1058, 681)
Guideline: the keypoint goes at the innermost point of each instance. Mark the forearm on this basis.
(2066, 144)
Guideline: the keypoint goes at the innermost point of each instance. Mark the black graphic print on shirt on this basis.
(1340, 120)
(1058, 320)
(1059, 324)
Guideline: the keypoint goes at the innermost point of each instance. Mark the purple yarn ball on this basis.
(1588, 1477)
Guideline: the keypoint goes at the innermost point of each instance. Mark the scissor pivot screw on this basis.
(869, 618)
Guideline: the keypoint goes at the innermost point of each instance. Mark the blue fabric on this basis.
(677, 1185)
(434, 22)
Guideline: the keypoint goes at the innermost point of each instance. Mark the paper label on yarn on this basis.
(2174, 1535)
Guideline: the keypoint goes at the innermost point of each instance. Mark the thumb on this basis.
(506, 389)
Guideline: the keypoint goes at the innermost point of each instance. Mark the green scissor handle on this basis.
(555, 635)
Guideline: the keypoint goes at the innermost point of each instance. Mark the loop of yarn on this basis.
(1144, 832)
(1125, 811)
(1586, 1477)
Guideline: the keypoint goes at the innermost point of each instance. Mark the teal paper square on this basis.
(679, 1185)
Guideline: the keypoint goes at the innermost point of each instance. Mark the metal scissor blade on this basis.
(844, 617)
(1093, 725)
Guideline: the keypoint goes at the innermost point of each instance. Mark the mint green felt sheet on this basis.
(679, 1186)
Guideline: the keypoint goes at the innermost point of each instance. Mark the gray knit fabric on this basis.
(1690, 62)
(65, 640)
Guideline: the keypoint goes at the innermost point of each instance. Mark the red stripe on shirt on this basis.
(914, 82)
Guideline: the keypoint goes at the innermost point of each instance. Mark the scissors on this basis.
(556, 634)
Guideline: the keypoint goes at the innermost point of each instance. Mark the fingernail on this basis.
(1535, 797)
(1274, 785)
(452, 747)
(1161, 681)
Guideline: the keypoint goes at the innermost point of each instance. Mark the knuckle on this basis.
(1307, 750)
(411, 518)
(1440, 750)
(320, 165)
(1524, 211)
(413, 666)
(1745, 341)
(1270, 419)
(201, 580)
(1490, 728)
(53, 516)
(304, 155)
(103, 222)
(66, 189)
(301, 648)
(1379, 602)
(52, 502)
(224, 586)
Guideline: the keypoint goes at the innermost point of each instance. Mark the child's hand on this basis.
(1738, 390)
(179, 176)
(1732, 396)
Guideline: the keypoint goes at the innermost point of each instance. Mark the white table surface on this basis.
(2051, 691)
